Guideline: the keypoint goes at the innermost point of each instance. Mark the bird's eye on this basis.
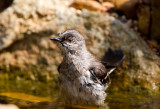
(69, 40)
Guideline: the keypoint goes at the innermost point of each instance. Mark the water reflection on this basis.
(133, 101)
(29, 94)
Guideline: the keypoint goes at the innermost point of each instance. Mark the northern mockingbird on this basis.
(82, 78)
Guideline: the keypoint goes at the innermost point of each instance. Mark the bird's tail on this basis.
(112, 59)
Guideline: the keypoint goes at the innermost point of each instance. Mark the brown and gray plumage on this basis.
(82, 78)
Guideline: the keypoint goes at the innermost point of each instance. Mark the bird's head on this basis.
(71, 40)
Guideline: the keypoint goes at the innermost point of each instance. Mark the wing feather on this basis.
(110, 61)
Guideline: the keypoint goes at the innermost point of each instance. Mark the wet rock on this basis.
(26, 27)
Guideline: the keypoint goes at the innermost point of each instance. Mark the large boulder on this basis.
(27, 25)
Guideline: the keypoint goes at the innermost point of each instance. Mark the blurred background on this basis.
(29, 60)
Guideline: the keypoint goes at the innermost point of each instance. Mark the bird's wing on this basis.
(102, 70)
(98, 73)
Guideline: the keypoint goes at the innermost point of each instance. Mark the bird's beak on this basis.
(56, 39)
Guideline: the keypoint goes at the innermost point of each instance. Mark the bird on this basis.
(82, 78)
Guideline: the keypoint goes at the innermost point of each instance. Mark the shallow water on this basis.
(44, 94)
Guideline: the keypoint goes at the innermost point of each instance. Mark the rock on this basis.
(26, 27)
(155, 33)
(140, 69)
(128, 7)
(8, 106)
(91, 5)
(144, 19)
(19, 19)
(108, 5)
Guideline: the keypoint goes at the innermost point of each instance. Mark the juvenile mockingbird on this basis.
(82, 78)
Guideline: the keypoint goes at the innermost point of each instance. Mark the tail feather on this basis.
(112, 58)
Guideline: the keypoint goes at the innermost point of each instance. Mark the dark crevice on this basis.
(5, 4)
(150, 21)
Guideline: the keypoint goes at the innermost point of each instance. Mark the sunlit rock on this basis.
(8, 106)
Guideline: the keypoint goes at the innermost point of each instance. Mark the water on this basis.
(29, 93)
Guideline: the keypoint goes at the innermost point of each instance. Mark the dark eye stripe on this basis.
(67, 37)
(64, 38)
